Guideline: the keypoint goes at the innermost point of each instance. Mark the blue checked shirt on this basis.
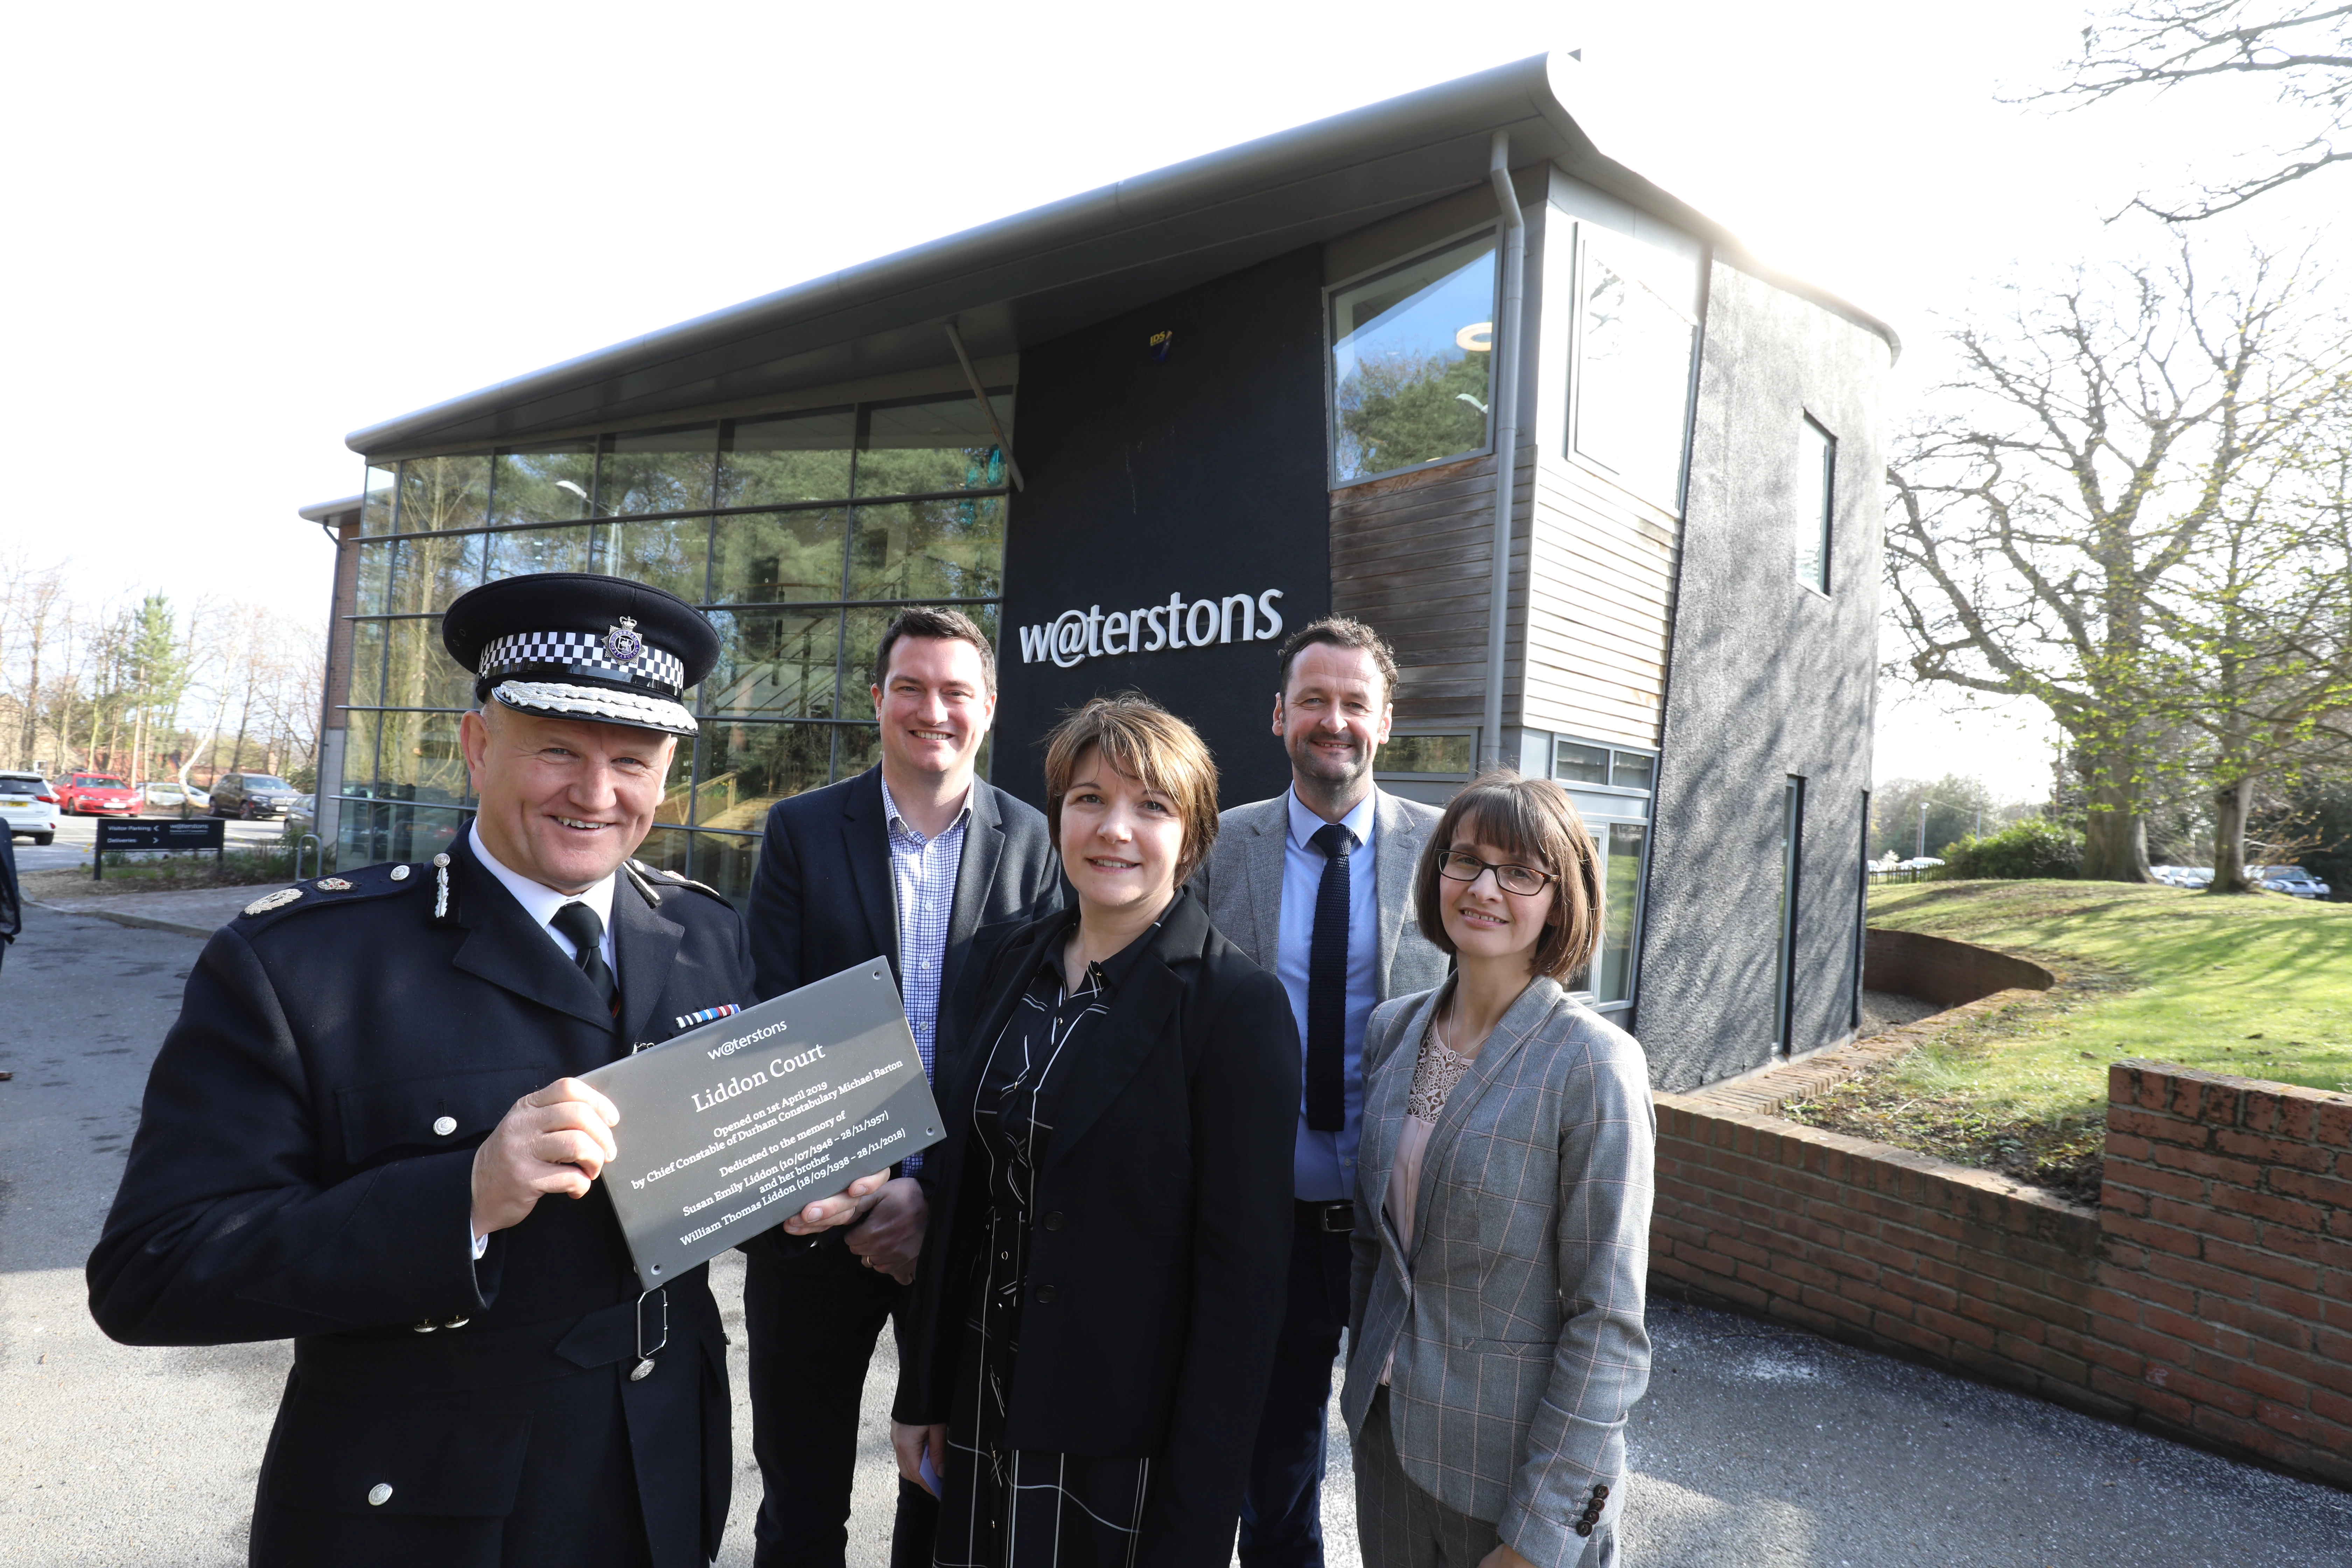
(923, 878)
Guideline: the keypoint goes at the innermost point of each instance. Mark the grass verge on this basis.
(2255, 985)
(171, 873)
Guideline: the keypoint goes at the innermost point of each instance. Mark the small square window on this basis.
(1816, 501)
(1632, 770)
(1579, 764)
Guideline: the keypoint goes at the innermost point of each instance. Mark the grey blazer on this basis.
(1240, 883)
(1517, 1319)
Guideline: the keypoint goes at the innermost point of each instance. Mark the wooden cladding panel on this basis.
(1410, 557)
(1595, 648)
(1410, 554)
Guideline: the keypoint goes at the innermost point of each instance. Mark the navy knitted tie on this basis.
(579, 922)
(1326, 986)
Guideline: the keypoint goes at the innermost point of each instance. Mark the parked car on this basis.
(167, 797)
(252, 796)
(97, 794)
(29, 806)
(2293, 881)
(302, 816)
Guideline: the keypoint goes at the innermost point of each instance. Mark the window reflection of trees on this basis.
(796, 649)
(775, 664)
(1411, 353)
(1397, 410)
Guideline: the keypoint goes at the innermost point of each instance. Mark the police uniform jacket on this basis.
(303, 1170)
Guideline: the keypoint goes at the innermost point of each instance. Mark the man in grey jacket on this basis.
(1315, 885)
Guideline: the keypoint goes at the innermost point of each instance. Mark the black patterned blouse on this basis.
(1000, 1507)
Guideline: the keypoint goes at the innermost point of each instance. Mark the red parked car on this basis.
(97, 794)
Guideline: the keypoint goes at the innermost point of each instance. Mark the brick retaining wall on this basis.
(2210, 1297)
(1937, 969)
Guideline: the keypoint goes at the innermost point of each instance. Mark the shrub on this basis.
(2033, 847)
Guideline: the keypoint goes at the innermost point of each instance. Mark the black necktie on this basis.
(1326, 986)
(579, 922)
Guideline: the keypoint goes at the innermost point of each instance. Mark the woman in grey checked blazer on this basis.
(1495, 1338)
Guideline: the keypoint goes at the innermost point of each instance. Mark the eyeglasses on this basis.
(1524, 880)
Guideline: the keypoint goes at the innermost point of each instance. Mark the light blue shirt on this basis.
(1323, 1165)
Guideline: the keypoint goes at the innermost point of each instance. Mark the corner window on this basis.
(1632, 384)
(1816, 501)
(1410, 351)
(1610, 789)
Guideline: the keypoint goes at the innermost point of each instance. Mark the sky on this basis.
(239, 235)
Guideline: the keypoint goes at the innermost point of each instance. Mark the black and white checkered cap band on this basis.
(583, 653)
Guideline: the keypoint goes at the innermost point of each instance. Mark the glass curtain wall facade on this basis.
(800, 535)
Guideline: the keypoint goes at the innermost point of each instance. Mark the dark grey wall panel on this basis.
(1766, 679)
(1200, 476)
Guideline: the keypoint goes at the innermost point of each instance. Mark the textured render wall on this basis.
(1766, 679)
(2209, 1296)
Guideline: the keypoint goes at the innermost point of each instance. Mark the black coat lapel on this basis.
(506, 947)
(1139, 1010)
(646, 945)
(983, 850)
(866, 840)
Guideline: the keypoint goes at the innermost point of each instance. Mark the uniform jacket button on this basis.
(379, 1495)
(445, 1125)
(1055, 1221)
(1045, 1295)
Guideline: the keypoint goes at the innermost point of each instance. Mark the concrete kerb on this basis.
(142, 922)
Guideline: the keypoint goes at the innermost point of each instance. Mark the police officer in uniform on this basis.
(366, 1132)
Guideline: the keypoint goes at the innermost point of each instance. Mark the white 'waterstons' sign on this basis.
(1075, 636)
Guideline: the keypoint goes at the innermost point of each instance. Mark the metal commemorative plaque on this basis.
(727, 1129)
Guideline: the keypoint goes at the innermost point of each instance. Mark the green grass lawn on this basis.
(2257, 985)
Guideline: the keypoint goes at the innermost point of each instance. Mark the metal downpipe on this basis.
(1506, 443)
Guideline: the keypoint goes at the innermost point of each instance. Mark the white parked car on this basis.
(29, 806)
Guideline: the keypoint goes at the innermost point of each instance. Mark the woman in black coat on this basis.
(1103, 1271)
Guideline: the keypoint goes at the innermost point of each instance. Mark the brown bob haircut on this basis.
(1532, 820)
(1146, 742)
(939, 626)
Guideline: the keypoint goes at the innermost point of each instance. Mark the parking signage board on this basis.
(205, 833)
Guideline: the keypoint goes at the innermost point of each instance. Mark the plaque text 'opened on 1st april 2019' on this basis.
(729, 1128)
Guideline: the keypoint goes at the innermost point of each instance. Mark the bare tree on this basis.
(2158, 46)
(2050, 516)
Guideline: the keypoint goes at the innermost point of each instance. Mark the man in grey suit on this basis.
(1315, 885)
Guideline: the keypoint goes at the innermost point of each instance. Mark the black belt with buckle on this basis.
(1334, 1218)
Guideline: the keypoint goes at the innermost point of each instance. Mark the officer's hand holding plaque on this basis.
(726, 1130)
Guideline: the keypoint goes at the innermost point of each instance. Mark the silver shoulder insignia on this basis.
(334, 885)
(277, 901)
(400, 873)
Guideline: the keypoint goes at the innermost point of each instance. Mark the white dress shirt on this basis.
(540, 901)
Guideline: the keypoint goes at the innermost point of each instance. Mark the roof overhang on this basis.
(326, 511)
(1032, 276)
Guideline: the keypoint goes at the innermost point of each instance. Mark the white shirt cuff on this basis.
(481, 1243)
